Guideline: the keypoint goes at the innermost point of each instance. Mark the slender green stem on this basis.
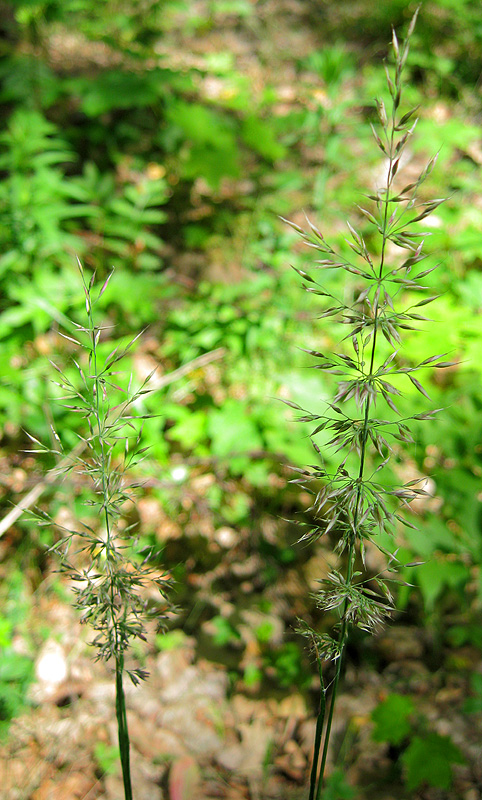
(319, 730)
(326, 742)
(122, 730)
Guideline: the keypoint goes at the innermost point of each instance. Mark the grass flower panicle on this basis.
(108, 589)
(352, 505)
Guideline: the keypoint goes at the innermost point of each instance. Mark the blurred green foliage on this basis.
(391, 718)
(426, 758)
(132, 144)
(16, 668)
(429, 760)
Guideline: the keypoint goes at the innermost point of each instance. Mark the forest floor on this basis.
(199, 728)
(195, 733)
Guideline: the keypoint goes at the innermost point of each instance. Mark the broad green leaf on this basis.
(190, 430)
(261, 137)
(429, 760)
(473, 705)
(118, 89)
(435, 576)
(232, 431)
(391, 719)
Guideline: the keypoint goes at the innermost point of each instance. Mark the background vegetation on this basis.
(164, 139)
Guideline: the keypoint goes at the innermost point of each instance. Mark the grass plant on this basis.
(354, 507)
(107, 573)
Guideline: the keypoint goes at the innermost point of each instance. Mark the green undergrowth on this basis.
(16, 651)
(423, 756)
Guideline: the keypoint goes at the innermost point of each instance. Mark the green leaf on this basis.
(435, 576)
(223, 633)
(212, 164)
(476, 683)
(337, 787)
(107, 757)
(190, 430)
(458, 635)
(5, 632)
(429, 760)
(202, 125)
(232, 431)
(252, 675)
(261, 137)
(236, 508)
(15, 668)
(117, 89)
(171, 640)
(211, 147)
(391, 719)
(264, 631)
(433, 534)
(473, 705)
(22, 75)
